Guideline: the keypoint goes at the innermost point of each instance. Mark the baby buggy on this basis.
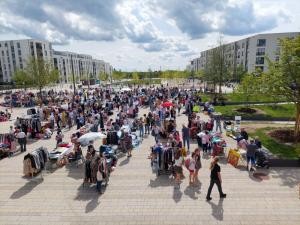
(262, 159)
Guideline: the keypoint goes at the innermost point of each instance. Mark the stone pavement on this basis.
(136, 196)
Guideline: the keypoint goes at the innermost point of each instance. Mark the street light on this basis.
(72, 67)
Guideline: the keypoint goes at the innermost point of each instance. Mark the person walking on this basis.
(21, 136)
(251, 150)
(178, 168)
(198, 164)
(191, 168)
(186, 136)
(141, 127)
(215, 178)
(218, 124)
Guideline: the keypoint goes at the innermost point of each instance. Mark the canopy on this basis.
(91, 136)
(167, 104)
(126, 89)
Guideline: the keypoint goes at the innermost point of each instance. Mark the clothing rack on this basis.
(35, 162)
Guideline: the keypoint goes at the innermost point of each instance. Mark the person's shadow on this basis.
(177, 194)
(217, 210)
(191, 191)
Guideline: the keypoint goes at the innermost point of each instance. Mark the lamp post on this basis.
(73, 76)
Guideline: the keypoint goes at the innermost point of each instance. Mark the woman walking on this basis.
(191, 168)
(215, 178)
(198, 164)
(178, 168)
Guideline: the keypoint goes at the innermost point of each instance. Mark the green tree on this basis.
(103, 76)
(135, 78)
(283, 78)
(249, 86)
(42, 72)
(22, 78)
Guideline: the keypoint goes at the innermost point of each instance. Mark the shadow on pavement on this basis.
(177, 194)
(26, 189)
(289, 176)
(217, 209)
(75, 172)
(124, 162)
(161, 181)
(88, 193)
(191, 191)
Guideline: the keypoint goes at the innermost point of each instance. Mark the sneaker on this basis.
(223, 196)
(208, 198)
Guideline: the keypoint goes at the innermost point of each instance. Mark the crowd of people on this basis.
(105, 110)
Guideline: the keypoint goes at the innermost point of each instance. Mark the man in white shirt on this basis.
(21, 136)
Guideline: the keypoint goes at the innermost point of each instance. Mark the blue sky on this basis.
(143, 34)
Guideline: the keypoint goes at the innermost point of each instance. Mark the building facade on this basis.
(16, 53)
(249, 54)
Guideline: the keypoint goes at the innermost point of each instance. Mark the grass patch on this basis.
(238, 97)
(286, 111)
(277, 148)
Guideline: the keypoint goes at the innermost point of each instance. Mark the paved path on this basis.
(136, 196)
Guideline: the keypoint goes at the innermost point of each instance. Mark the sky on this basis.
(144, 34)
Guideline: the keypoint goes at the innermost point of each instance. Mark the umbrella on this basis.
(125, 89)
(91, 136)
(167, 104)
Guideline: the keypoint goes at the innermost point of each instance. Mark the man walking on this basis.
(215, 178)
(21, 136)
(251, 150)
(186, 136)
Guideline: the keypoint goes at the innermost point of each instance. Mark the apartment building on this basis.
(81, 65)
(15, 54)
(249, 53)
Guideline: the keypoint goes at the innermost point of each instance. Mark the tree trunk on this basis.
(297, 122)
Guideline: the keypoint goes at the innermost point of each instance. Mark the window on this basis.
(18, 45)
(243, 45)
(242, 53)
(21, 66)
(277, 58)
(5, 44)
(260, 60)
(260, 51)
(19, 52)
(261, 42)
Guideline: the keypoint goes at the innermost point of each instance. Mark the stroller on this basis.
(261, 157)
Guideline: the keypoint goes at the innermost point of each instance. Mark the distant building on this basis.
(249, 53)
(81, 65)
(16, 53)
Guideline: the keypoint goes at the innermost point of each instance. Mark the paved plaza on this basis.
(136, 196)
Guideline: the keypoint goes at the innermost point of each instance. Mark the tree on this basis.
(249, 86)
(217, 69)
(283, 78)
(22, 77)
(135, 77)
(103, 76)
(42, 73)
